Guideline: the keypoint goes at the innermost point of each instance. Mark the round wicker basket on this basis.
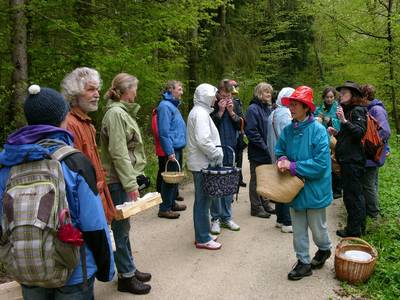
(354, 271)
(173, 176)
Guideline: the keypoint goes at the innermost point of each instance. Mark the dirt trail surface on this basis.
(252, 263)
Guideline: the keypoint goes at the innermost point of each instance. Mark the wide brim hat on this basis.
(302, 94)
(351, 85)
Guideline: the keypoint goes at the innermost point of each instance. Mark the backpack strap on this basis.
(62, 152)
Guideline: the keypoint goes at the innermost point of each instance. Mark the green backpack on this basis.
(33, 200)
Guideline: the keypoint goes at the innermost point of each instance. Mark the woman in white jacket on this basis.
(277, 120)
(202, 137)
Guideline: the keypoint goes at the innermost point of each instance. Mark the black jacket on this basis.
(349, 149)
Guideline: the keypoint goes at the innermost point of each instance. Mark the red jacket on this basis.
(80, 125)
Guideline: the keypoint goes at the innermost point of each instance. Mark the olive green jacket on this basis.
(122, 150)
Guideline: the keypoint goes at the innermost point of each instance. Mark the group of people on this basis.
(289, 132)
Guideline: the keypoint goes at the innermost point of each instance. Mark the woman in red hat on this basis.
(303, 150)
(350, 155)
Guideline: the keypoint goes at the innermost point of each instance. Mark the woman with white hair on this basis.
(279, 119)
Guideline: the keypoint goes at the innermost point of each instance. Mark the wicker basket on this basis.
(354, 271)
(173, 176)
(277, 186)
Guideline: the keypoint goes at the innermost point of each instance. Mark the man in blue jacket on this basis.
(46, 111)
(172, 134)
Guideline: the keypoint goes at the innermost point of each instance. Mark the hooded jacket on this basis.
(202, 134)
(277, 120)
(306, 145)
(349, 149)
(257, 130)
(122, 149)
(80, 183)
(378, 111)
(171, 126)
(80, 125)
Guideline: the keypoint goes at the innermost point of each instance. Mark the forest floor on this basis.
(252, 263)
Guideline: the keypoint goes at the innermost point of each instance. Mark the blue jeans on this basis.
(68, 292)
(221, 209)
(201, 207)
(315, 219)
(283, 214)
(169, 191)
(123, 254)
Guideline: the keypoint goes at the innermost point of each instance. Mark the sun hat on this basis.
(351, 85)
(302, 94)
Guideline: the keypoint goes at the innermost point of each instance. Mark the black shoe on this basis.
(299, 271)
(337, 195)
(344, 233)
(133, 285)
(242, 184)
(260, 214)
(143, 277)
(319, 259)
(179, 198)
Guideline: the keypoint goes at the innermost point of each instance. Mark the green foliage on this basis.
(384, 235)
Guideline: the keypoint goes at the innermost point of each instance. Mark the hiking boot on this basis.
(143, 277)
(230, 225)
(344, 233)
(299, 271)
(337, 195)
(179, 198)
(168, 214)
(261, 213)
(287, 229)
(215, 227)
(319, 258)
(178, 207)
(242, 184)
(133, 285)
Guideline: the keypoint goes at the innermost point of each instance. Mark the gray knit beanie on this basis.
(45, 106)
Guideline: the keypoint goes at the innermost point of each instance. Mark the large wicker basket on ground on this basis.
(354, 271)
(277, 186)
(173, 176)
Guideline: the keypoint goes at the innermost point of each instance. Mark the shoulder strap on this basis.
(63, 152)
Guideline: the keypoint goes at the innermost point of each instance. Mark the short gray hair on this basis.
(261, 87)
(74, 83)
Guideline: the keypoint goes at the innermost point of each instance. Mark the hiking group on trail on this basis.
(58, 193)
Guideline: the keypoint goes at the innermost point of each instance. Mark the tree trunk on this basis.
(391, 65)
(193, 62)
(19, 60)
(320, 66)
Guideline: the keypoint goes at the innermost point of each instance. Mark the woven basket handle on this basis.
(177, 162)
(233, 152)
(361, 241)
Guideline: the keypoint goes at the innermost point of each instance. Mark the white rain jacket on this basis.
(202, 135)
(277, 120)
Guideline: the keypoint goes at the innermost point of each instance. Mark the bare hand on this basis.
(222, 105)
(283, 165)
(332, 131)
(171, 156)
(229, 106)
(133, 196)
(340, 115)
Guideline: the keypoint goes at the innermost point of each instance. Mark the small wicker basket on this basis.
(173, 176)
(354, 271)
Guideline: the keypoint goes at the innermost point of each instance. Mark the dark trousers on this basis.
(162, 160)
(169, 191)
(353, 198)
(337, 185)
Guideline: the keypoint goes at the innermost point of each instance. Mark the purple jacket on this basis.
(378, 111)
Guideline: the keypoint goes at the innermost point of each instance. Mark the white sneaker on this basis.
(215, 227)
(278, 225)
(231, 225)
(211, 245)
(287, 229)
